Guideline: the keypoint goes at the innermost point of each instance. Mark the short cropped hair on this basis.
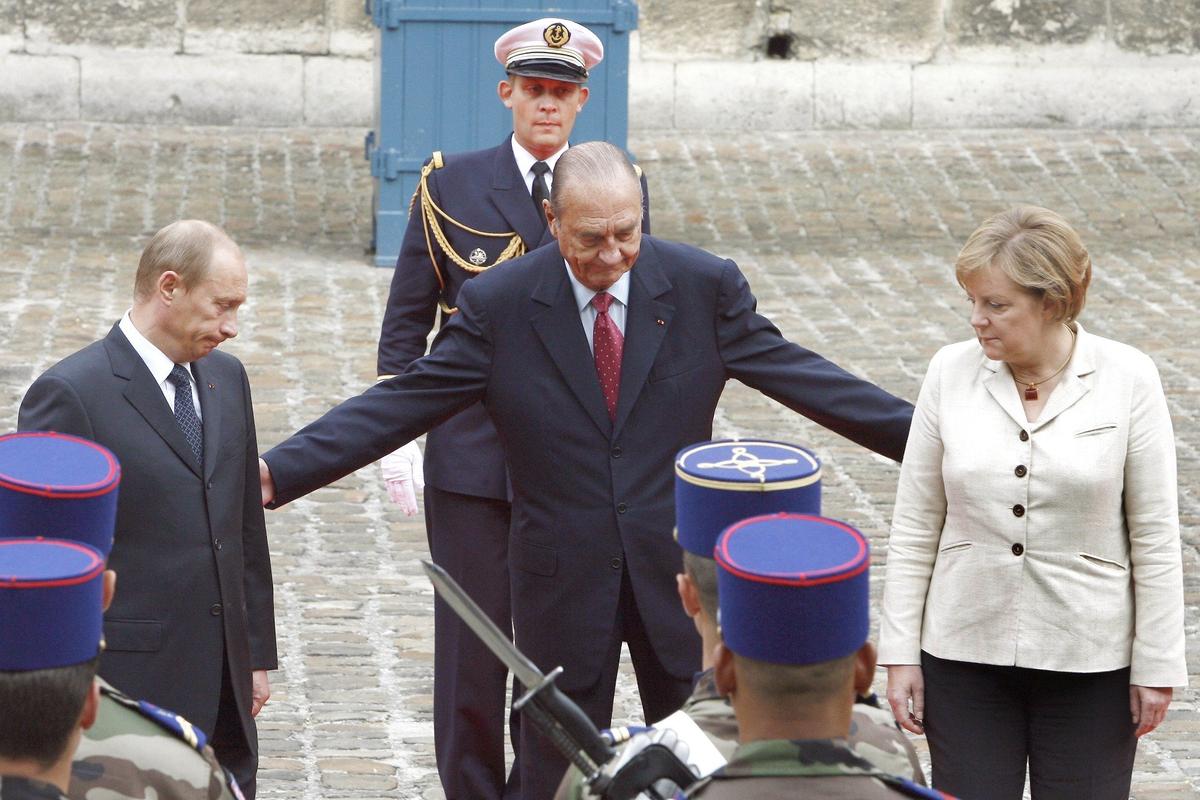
(185, 247)
(802, 683)
(1037, 250)
(593, 164)
(703, 572)
(40, 710)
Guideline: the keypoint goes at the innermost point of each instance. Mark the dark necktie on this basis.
(540, 192)
(185, 412)
(607, 346)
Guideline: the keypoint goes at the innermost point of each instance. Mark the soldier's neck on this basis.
(762, 718)
(709, 639)
(57, 775)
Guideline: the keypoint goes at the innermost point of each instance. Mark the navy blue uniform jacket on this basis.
(484, 190)
(590, 495)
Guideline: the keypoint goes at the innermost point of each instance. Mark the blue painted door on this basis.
(435, 88)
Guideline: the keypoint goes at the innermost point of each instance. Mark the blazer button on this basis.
(616, 452)
(1018, 549)
(1024, 436)
(615, 563)
(217, 543)
(215, 609)
(1020, 471)
(210, 485)
(622, 508)
(1018, 510)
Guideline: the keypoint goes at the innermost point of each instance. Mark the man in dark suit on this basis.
(595, 374)
(192, 628)
(474, 212)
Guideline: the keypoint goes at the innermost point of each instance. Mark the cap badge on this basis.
(748, 463)
(477, 256)
(556, 35)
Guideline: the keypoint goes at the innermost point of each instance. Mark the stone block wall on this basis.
(696, 64)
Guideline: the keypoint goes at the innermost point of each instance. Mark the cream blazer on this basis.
(1051, 544)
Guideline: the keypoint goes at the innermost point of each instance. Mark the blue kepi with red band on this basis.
(58, 486)
(722, 482)
(50, 603)
(793, 588)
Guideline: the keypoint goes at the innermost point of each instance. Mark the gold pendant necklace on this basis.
(1031, 387)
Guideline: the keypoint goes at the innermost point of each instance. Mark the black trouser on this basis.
(468, 537)
(985, 722)
(229, 740)
(539, 765)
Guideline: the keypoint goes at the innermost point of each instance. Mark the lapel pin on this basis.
(659, 322)
(212, 386)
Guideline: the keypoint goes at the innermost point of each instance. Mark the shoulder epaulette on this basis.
(169, 721)
(432, 218)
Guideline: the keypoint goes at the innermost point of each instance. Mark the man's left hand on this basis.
(260, 691)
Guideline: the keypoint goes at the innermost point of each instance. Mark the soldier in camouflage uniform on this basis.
(705, 505)
(793, 594)
(50, 640)
(134, 750)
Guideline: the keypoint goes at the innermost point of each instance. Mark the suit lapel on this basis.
(1071, 387)
(144, 394)
(210, 409)
(561, 332)
(513, 200)
(646, 322)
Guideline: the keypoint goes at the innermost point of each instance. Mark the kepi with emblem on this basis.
(551, 47)
(722, 482)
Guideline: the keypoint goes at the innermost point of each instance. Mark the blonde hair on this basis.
(185, 247)
(1037, 250)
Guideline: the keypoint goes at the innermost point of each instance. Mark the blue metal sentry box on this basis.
(435, 88)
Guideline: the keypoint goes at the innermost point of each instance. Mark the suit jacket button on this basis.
(616, 452)
(210, 485)
(217, 543)
(215, 609)
(1018, 549)
(622, 508)
(615, 563)
(1024, 436)
(1018, 510)
(1021, 471)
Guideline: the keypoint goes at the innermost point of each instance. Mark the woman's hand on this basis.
(906, 696)
(1147, 705)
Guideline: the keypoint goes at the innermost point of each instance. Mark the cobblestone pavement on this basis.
(847, 239)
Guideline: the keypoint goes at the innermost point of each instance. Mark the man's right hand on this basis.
(268, 483)
(906, 696)
(404, 474)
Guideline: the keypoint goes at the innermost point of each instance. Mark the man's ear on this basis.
(91, 707)
(551, 219)
(583, 98)
(723, 672)
(689, 595)
(166, 285)
(110, 589)
(864, 669)
(504, 91)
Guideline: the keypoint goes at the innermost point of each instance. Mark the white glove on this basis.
(404, 474)
(666, 737)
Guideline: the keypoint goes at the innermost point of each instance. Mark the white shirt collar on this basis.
(159, 364)
(526, 159)
(584, 295)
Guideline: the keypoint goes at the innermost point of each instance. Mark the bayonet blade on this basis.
(517, 662)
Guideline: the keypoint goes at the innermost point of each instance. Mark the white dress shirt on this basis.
(587, 311)
(526, 160)
(159, 364)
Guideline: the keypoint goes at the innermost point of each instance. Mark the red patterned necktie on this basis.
(607, 345)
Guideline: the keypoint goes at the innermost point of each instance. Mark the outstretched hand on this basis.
(268, 483)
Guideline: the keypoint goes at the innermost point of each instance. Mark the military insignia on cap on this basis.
(477, 256)
(556, 35)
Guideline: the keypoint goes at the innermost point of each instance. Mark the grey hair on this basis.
(186, 247)
(592, 165)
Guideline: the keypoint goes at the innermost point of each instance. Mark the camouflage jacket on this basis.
(873, 735)
(13, 788)
(816, 768)
(136, 750)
